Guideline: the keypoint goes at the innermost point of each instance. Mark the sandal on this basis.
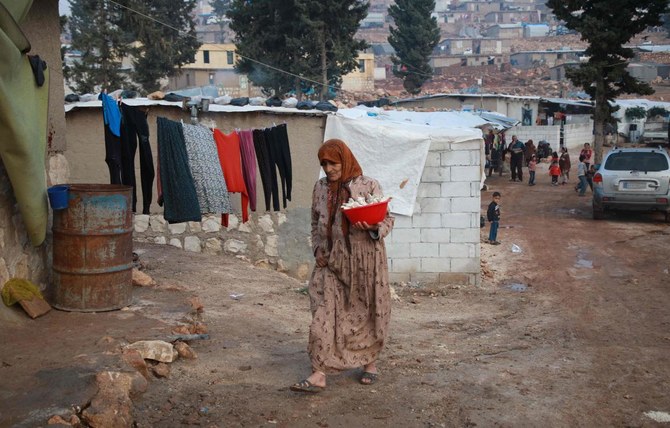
(368, 378)
(306, 386)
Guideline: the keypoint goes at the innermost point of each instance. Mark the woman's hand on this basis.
(361, 225)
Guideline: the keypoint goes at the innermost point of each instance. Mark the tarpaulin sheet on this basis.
(392, 152)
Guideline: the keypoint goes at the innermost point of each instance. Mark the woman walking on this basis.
(349, 289)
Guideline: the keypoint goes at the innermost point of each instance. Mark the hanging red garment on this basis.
(230, 158)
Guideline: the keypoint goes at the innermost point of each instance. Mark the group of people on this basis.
(525, 154)
(559, 170)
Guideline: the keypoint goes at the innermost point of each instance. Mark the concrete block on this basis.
(397, 251)
(456, 158)
(433, 159)
(435, 174)
(456, 278)
(439, 146)
(435, 264)
(405, 235)
(435, 235)
(465, 173)
(477, 144)
(402, 222)
(465, 265)
(455, 189)
(457, 250)
(429, 190)
(466, 205)
(430, 220)
(406, 265)
(465, 235)
(457, 220)
(424, 249)
(424, 278)
(435, 205)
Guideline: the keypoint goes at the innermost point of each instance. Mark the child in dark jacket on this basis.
(493, 216)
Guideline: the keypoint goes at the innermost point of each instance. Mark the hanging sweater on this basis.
(248, 153)
(228, 147)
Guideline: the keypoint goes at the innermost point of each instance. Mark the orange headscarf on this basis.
(336, 151)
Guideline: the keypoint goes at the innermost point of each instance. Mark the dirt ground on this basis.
(571, 331)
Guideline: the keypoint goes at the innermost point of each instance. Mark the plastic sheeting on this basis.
(392, 147)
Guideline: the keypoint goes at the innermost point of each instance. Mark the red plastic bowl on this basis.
(371, 214)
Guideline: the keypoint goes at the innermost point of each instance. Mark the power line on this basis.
(241, 56)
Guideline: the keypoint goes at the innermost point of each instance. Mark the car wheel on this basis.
(599, 214)
(667, 216)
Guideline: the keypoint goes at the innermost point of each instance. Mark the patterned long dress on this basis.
(350, 298)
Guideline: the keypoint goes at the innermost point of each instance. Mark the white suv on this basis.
(635, 179)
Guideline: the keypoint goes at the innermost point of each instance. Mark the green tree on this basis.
(166, 38)
(296, 42)
(334, 45)
(414, 37)
(97, 33)
(607, 25)
(219, 9)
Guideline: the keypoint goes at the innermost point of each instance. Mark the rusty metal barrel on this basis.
(93, 249)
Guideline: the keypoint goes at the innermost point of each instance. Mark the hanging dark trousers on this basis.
(113, 156)
(134, 127)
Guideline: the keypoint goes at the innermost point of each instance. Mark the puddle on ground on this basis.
(583, 261)
(517, 286)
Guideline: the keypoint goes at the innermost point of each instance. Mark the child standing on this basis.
(493, 216)
(581, 174)
(564, 164)
(532, 164)
(554, 171)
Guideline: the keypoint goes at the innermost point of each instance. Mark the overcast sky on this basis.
(63, 7)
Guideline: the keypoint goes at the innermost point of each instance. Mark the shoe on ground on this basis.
(495, 243)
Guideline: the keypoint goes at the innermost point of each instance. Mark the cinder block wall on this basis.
(551, 134)
(440, 242)
(576, 135)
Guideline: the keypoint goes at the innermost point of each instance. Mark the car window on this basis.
(639, 161)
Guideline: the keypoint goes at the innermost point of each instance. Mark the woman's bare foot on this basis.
(317, 378)
(371, 377)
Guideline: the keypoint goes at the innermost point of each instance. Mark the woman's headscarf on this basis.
(336, 151)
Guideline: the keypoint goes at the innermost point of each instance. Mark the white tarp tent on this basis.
(392, 146)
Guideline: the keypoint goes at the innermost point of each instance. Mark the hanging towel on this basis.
(268, 179)
(230, 158)
(176, 182)
(23, 121)
(111, 114)
(248, 154)
(210, 185)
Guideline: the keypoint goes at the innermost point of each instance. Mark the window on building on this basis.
(188, 80)
(229, 55)
(361, 66)
(205, 56)
(211, 78)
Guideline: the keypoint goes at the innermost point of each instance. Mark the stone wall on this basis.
(18, 258)
(439, 243)
(268, 240)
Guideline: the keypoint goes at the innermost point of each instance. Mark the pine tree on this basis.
(166, 42)
(297, 42)
(220, 8)
(97, 34)
(414, 36)
(607, 25)
(333, 45)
